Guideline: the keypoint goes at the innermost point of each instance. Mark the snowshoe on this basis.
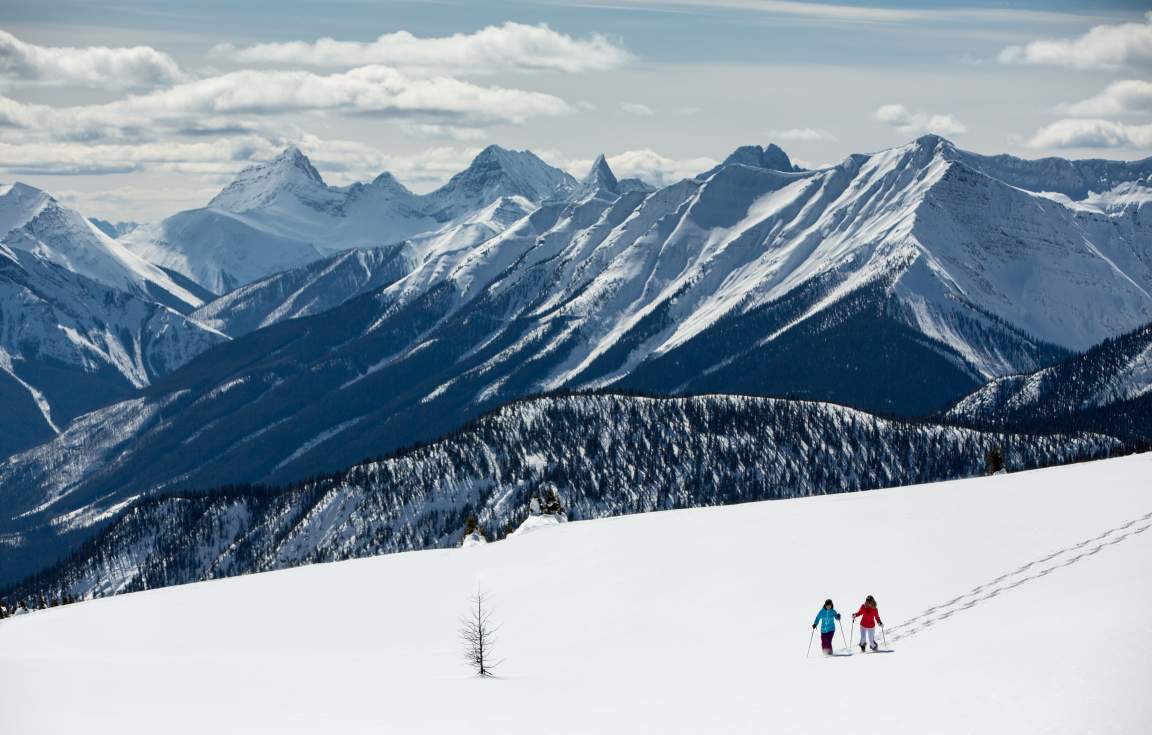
(861, 648)
(874, 646)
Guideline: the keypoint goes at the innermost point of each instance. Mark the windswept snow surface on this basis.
(1013, 604)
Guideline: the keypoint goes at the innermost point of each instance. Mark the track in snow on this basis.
(1032, 570)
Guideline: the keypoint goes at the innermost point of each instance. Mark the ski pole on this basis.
(883, 635)
(810, 637)
(846, 648)
(852, 631)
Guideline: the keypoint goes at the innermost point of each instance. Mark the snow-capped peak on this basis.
(19, 203)
(387, 182)
(260, 184)
(599, 180)
(31, 220)
(771, 157)
(931, 141)
(497, 172)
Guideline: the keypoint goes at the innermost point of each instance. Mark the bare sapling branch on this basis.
(478, 635)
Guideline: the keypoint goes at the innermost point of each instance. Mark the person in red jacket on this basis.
(869, 616)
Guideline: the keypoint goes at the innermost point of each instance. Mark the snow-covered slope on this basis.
(308, 289)
(1012, 604)
(32, 221)
(1107, 388)
(70, 344)
(327, 283)
(279, 214)
(608, 455)
(114, 229)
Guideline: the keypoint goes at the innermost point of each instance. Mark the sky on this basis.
(134, 109)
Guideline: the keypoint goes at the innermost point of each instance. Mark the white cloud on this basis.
(138, 203)
(218, 156)
(1129, 96)
(443, 132)
(802, 135)
(859, 13)
(367, 90)
(1102, 47)
(915, 122)
(648, 165)
(636, 108)
(1080, 133)
(138, 66)
(214, 163)
(512, 46)
(211, 106)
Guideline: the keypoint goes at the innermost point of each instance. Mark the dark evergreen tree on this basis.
(993, 460)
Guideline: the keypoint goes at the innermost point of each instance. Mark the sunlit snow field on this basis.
(1037, 587)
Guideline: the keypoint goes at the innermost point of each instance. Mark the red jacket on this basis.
(869, 616)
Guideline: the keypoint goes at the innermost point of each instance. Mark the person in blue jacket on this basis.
(826, 619)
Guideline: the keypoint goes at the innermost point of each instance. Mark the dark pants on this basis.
(826, 639)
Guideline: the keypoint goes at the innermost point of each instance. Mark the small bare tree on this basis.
(478, 635)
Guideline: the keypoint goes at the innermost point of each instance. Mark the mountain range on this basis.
(280, 214)
(345, 322)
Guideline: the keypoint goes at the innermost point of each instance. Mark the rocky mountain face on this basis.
(605, 455)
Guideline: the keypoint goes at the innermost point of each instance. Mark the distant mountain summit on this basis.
(497, 172)
(280, 214)
(599, 180)
(32, 220)
(261, 185)
(771, 157)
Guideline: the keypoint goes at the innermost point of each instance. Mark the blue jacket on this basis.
(827, 619)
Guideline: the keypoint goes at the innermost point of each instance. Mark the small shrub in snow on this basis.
(478, 634)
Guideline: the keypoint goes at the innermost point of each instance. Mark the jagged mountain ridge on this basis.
(607, 454)
(280, 214)
(886, 282)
